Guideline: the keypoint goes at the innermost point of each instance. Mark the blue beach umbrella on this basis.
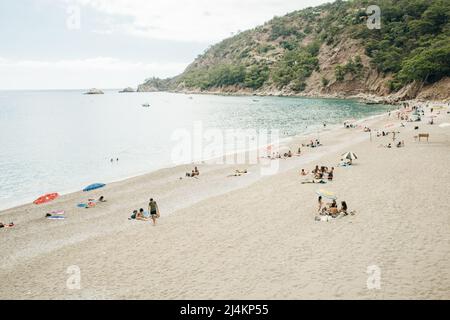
(94, 186)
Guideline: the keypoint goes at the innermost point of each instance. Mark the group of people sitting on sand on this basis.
(238, 173)
(277, 155)
(151, 214)
(322, 172)
(319, 174)
(331, 209)
(194, 173)
(313, 144)
(399, 144)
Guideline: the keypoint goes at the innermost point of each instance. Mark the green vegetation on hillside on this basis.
(413, 44)
(296, 66)
(353, 66)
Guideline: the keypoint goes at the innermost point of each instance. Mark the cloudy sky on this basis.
(65, 44)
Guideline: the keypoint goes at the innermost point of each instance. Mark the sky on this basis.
(79, 44)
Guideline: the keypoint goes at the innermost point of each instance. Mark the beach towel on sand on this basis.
(86, 205)
(324, 218)
(56, 217)
(56, 212)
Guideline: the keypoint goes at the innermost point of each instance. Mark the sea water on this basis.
(61, 141)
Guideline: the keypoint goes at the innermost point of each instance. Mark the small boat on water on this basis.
(146, 105)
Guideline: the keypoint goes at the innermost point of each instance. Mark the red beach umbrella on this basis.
(46, 198)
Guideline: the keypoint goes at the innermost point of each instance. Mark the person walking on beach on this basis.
(154, 210)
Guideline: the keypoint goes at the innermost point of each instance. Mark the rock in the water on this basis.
(127, 90)
(94, 91)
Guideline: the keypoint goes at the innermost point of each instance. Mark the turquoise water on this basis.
(61, 141)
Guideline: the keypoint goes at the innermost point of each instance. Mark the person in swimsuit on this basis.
(318, 175)
(134, 215)
(320, 203)
(141, 215)
(333, 209)
(154, 210)
(9, 225)
(330, 174)
(343, 208)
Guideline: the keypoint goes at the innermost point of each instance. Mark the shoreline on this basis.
(251, 237)
(364, 97)
(284, 139)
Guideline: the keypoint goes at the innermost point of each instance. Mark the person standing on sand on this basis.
(320, 204)
(154, 210)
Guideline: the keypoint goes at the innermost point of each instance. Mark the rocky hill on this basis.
(329, 50)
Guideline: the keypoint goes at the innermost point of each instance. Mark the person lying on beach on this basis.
(314, 181)
(238, 173)
(101, 199)
(303, 173)
(8, 225)
(154, 210)
(91, 204)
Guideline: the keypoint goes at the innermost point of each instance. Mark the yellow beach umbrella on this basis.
(326, 194)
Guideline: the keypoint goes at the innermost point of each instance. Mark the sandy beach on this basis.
(252, 237)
